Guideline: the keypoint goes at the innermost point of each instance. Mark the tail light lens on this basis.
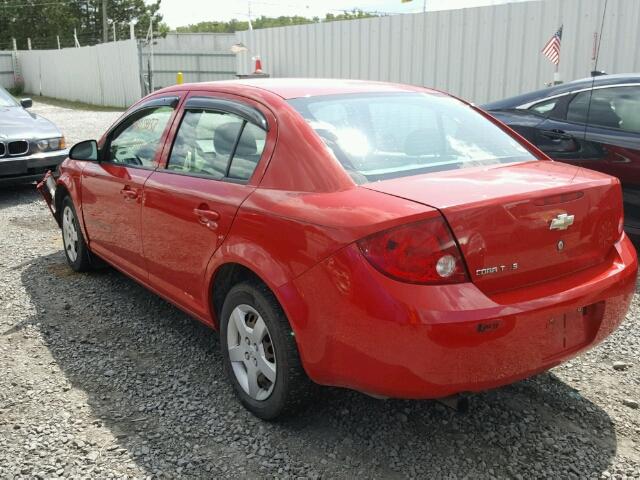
(422, 252)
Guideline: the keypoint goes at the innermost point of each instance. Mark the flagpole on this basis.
(556, 76)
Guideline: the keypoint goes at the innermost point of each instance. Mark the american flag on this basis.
(552, 49)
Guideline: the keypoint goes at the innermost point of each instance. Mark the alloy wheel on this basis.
(251, 352)
(70, 234)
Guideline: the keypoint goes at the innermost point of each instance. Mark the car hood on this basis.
(18, 123)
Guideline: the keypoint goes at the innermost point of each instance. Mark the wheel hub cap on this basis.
(69, 234)
(251, 352)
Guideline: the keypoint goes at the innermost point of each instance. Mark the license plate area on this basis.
(573, 330)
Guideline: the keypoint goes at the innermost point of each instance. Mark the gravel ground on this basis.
(101, 379)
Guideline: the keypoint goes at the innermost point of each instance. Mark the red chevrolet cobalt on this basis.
(384, 238)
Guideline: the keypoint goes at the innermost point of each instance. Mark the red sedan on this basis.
(385, 238)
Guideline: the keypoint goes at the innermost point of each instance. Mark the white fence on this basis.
(107, 74)
(201, 57)
(480, 54)
(6, 70)
(195, 42)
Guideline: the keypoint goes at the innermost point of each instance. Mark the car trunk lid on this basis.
(524, 223)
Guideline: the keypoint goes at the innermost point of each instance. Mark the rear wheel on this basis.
(259, 352)
(75, 248)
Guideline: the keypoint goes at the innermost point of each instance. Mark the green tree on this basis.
(235, 25)
(42, 21)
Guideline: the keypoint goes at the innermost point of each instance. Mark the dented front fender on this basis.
(47, 188)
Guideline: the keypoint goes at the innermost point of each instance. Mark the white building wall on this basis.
(6, 70)
(201, 57)
(106, 74)
(480, 54)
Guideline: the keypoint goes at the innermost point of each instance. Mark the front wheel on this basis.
(75, 248)
(259, 352)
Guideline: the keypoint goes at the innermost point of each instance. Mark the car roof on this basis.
(289, 88)
(602, 80)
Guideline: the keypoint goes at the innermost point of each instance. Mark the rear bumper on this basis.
(30, 168)
(357, 328)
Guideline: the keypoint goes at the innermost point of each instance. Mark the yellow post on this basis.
(179, 78)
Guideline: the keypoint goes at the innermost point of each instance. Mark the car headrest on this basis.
(247, 144)
(601, 113)
(225, 137)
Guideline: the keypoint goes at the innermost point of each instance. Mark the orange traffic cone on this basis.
(258, 68)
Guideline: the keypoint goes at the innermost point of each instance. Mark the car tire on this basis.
(254, 353)
(75, 248)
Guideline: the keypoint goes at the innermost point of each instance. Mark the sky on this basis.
(183, 12)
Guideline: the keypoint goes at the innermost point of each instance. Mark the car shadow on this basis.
(154, 378)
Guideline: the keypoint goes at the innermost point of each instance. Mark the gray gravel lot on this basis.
(100, 378)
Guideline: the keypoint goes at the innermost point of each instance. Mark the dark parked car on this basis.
(29, 144)
(593, 123)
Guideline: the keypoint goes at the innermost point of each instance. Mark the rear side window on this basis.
(217, 145)
(381, 136)
(248, 152)
(544, 108)
(577, 110)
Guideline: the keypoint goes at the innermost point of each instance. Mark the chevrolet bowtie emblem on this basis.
(561, 222)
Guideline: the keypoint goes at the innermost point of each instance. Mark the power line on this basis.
(41, 4)
(343, 10)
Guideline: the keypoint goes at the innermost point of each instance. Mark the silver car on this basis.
(29, 144)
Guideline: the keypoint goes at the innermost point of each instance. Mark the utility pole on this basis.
(58, 40)
(29, 43)
(132, 31)
(424, 6)
(15, 44)
(105, 28)
(151, 66)
(114, 31)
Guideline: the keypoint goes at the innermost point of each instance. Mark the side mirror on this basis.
(26, 103)
(87, 150)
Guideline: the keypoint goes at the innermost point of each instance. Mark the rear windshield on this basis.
(382, 136)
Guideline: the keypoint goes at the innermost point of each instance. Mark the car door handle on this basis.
(206, 217)
(556, 134)
(129, 193)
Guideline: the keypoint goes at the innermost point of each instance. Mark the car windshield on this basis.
(382, 136)
(6, 100)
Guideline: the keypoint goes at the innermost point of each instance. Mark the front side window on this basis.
(380, 136)
(137, 141)
(615, 107)
(216, 144)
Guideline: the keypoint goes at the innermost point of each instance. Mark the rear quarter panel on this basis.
(281, 234)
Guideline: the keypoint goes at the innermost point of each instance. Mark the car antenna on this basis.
(595, 69)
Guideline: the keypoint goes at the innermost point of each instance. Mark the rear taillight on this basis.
(422, 252)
